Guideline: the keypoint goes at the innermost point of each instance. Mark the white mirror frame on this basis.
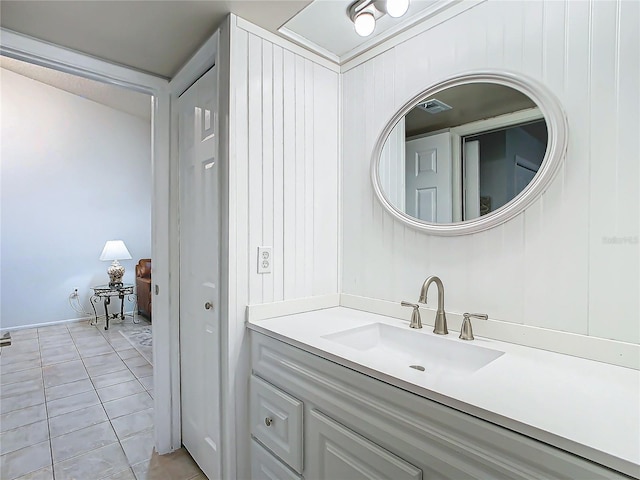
(556, 148)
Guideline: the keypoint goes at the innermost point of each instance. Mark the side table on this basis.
(105, 292)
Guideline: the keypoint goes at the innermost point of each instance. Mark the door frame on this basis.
(163, 213)
(479, 126)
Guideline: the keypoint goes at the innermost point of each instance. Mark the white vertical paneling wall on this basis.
(570, 262)
(283, 189)
(286, 164)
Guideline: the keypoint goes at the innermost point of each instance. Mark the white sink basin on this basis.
(409, 348)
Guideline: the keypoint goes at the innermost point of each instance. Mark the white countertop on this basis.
(589, 408)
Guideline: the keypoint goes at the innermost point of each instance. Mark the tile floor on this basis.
(76, 403)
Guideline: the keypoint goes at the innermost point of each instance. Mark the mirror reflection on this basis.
(463, 152)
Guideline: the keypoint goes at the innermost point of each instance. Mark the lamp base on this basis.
(116, 272)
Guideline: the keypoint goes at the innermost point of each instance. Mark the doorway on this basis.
(499, 164)
(164, 234)
(98, 171)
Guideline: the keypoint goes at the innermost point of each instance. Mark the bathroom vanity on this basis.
(333, 395)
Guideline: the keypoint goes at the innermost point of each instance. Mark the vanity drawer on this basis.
(266, 466)
(276, 420)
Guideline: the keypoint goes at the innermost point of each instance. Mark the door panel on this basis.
(200, 274)
(428, 178)
(427, 203)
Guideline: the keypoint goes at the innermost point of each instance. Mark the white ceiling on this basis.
(157, 37)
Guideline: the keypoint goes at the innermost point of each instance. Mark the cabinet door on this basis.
(335, 452)
(276, 420)
(264, 466)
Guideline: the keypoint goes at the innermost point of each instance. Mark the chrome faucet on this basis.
(440, 326)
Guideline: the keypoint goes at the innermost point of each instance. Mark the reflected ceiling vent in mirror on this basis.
(364, 13)
(434, 106)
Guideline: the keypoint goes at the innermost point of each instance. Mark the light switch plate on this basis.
(265, 258)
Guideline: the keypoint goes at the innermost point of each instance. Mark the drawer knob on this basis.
(268, 421)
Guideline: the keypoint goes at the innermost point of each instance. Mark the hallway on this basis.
(76, 402)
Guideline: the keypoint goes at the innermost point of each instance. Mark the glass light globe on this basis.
(397, 8)
(365, 23)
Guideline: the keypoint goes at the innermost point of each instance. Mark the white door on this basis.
(200, 274)
(428, 178)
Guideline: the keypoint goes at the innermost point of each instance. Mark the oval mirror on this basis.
(469, 153)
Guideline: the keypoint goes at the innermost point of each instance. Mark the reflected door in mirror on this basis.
(428, 178)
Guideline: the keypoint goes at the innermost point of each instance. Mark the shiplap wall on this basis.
(283, 188)
(571, 261)
(286, 166)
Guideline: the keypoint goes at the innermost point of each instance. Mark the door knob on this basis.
(268, 421)
(208, 306)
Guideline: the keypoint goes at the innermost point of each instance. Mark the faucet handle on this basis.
(416, 322)
(408, 304)
(466, 332)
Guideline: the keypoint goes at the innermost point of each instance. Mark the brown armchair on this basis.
(143, 287)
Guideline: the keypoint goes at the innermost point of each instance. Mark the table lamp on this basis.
(115, 250)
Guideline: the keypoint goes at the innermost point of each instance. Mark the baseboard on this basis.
(59, 322)
(47, 324)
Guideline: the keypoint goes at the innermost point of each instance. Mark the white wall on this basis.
(283, 188)
(74, 174)
(571, 261)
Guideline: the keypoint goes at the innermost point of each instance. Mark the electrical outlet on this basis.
(265, 258)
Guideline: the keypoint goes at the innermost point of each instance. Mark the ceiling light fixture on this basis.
(394, 8)
(364, 13)
(365, 23)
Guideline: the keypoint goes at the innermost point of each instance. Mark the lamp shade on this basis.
(115, 250)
